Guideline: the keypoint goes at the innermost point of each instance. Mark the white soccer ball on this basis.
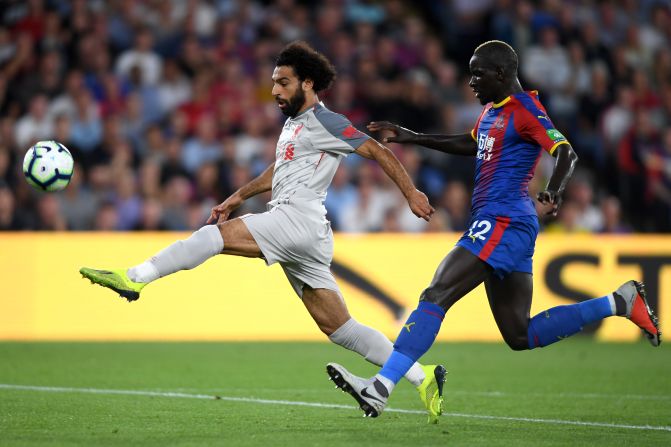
(48, 166)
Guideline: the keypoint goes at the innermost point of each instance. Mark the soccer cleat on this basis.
(116, 280)
(638, 310)
(431, 391)
(371, 394)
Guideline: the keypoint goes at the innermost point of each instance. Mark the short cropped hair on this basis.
(499, 54)
(308, 64)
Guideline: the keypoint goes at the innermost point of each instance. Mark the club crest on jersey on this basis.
(485, 146)
(297, 131)
(287, 146)
(499, 123)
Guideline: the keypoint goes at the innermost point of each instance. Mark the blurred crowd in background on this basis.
(166, 105)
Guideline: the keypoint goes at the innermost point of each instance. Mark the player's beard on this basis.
(294, 104)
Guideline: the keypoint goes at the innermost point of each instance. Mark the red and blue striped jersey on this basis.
(510, 136)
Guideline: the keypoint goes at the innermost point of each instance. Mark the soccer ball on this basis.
(48, 166)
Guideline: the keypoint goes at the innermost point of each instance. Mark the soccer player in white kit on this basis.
(294, 232)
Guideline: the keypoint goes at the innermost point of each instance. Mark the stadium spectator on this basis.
(46, 80)
(175, 200)
(142, 56)
(9, 219)
(127, 201)
(641, 141)
(658, 171)
(5, 166)
(341, 195)
(174, 88)
(203, 147)
(77, 204)
(612, 216)
(49, 215)
(455, 200)
(87, 131)
(158, 68)
(586, 129)
(546, 65)
(581, 194)
(36, 124)
(366, 213)
(617, 119)
(151, 217)
(107, 218)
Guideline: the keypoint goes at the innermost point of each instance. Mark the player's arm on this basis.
(566, 160)
(460, 144)
(417, 200)
(262, 183)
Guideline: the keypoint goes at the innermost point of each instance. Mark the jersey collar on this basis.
(502, 103)
(312, 107)
(505, 101)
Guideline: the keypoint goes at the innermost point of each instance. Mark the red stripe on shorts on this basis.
(435, 314)
(497, 234)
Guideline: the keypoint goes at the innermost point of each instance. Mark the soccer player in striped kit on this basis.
(294, 232)
(508, 139)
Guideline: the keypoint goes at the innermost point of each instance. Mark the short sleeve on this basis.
(533, 124)
(335, 133)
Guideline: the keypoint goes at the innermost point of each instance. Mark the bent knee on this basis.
(329, 326)
(327, 330)
(438, 295)
(518, 343)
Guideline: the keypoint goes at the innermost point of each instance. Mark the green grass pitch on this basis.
(578, 392)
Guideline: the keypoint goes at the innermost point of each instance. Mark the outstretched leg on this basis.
(185, 254)
(510, 301)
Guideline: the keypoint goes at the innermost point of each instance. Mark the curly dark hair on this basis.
(308, 64)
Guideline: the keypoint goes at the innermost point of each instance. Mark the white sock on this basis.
(372, 345)
(145, 272)
(613, 307)
(388, 383)
(181, 255)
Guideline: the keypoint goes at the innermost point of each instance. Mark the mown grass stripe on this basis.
(53, 389)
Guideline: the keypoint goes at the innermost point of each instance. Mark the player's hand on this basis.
(221, 212)
(401, 134)
(420, 206)
(552, 198)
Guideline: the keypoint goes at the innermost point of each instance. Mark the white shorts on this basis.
(296, 234)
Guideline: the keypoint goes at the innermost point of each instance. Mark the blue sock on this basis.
(416, 337)
(563, 321)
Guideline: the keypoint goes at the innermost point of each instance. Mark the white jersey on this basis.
(309, 151)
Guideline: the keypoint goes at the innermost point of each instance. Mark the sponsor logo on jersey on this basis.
(555, 135)
(289, 152)
(485, 146)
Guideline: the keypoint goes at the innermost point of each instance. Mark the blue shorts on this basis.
(505, 243)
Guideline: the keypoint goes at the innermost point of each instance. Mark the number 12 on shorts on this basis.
(482, 227)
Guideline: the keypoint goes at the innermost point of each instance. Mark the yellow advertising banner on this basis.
(229, 298)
